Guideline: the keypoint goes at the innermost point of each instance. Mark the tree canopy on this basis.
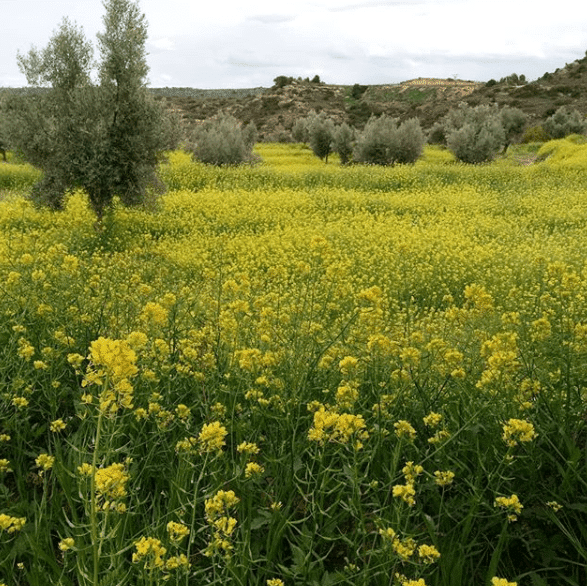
(103, 136)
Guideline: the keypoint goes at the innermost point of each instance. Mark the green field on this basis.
(301, 374)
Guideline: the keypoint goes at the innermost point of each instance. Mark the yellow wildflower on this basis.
(151, 550)
(11, 524)
(511, 505)
(403, 428)
(211, 437)
(57, 425)
(67, 544)
(432, 419)
(20, 402)
(443, 478)
(247, 448)
(502, 582)
(406, 492)
(518, 430)
(428, 554)
(177, 531)
(154, 313)
(253, 469)
(45, 461)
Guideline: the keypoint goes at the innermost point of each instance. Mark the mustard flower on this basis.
(443, 477)
(211, 437)
(439, 436)
(253, 469)
(11, 524)
(511, 505)
(404, 429)
(428, 553)
(151, 550)
(183, 411)
(177, 531)
(406, 492)
(85, 469)
(419, 582)
(20, 402)
(275, 582)
(154, 313)
(432, 419)
(411, 472)
(67, 544)
(137, 340)
(4, 437)
(502, 582)
(45, 461)
(518, 430)
(348, 365)
(247, 448)
(347, 395)
(404, 549)
(5, 465)
(177, 561)
(57, 425)
(387, 534)
(556, 507)
(110, 486)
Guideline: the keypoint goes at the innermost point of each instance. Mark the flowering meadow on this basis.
(298, 374)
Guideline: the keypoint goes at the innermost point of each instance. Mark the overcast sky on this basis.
(248, 43)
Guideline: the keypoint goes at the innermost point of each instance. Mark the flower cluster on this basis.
(518, 430)
(511, 505)
(221, 523)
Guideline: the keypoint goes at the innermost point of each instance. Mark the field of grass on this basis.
(299, 374)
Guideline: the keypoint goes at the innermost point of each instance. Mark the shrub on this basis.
(384, 142)
(474, 135)
(513, 121)
(223, 141)
(534, 134)
(565, 121)
(321, 136)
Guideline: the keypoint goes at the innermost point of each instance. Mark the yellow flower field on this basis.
(299, 373)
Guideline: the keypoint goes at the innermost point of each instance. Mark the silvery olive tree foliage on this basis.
(565, 121)
(477, 134)
(223, 141)
(103, 135)
(384, 141)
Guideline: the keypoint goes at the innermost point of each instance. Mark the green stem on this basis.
(93, 504)
(193, 519)
(497, 552)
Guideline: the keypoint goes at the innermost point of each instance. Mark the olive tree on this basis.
(223, 141)
(385, 142)
(103, 136)
(565, 121)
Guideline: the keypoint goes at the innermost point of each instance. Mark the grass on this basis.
(298, 373)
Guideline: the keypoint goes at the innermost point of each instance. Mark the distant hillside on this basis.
(274, 110)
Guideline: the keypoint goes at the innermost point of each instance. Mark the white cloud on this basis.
(229, 43)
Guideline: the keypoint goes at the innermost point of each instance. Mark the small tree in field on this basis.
(104, 137)
(321, 136)
(385, 142)
(343, 140)
(223, 141)
(474, 135)
(565, 121)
